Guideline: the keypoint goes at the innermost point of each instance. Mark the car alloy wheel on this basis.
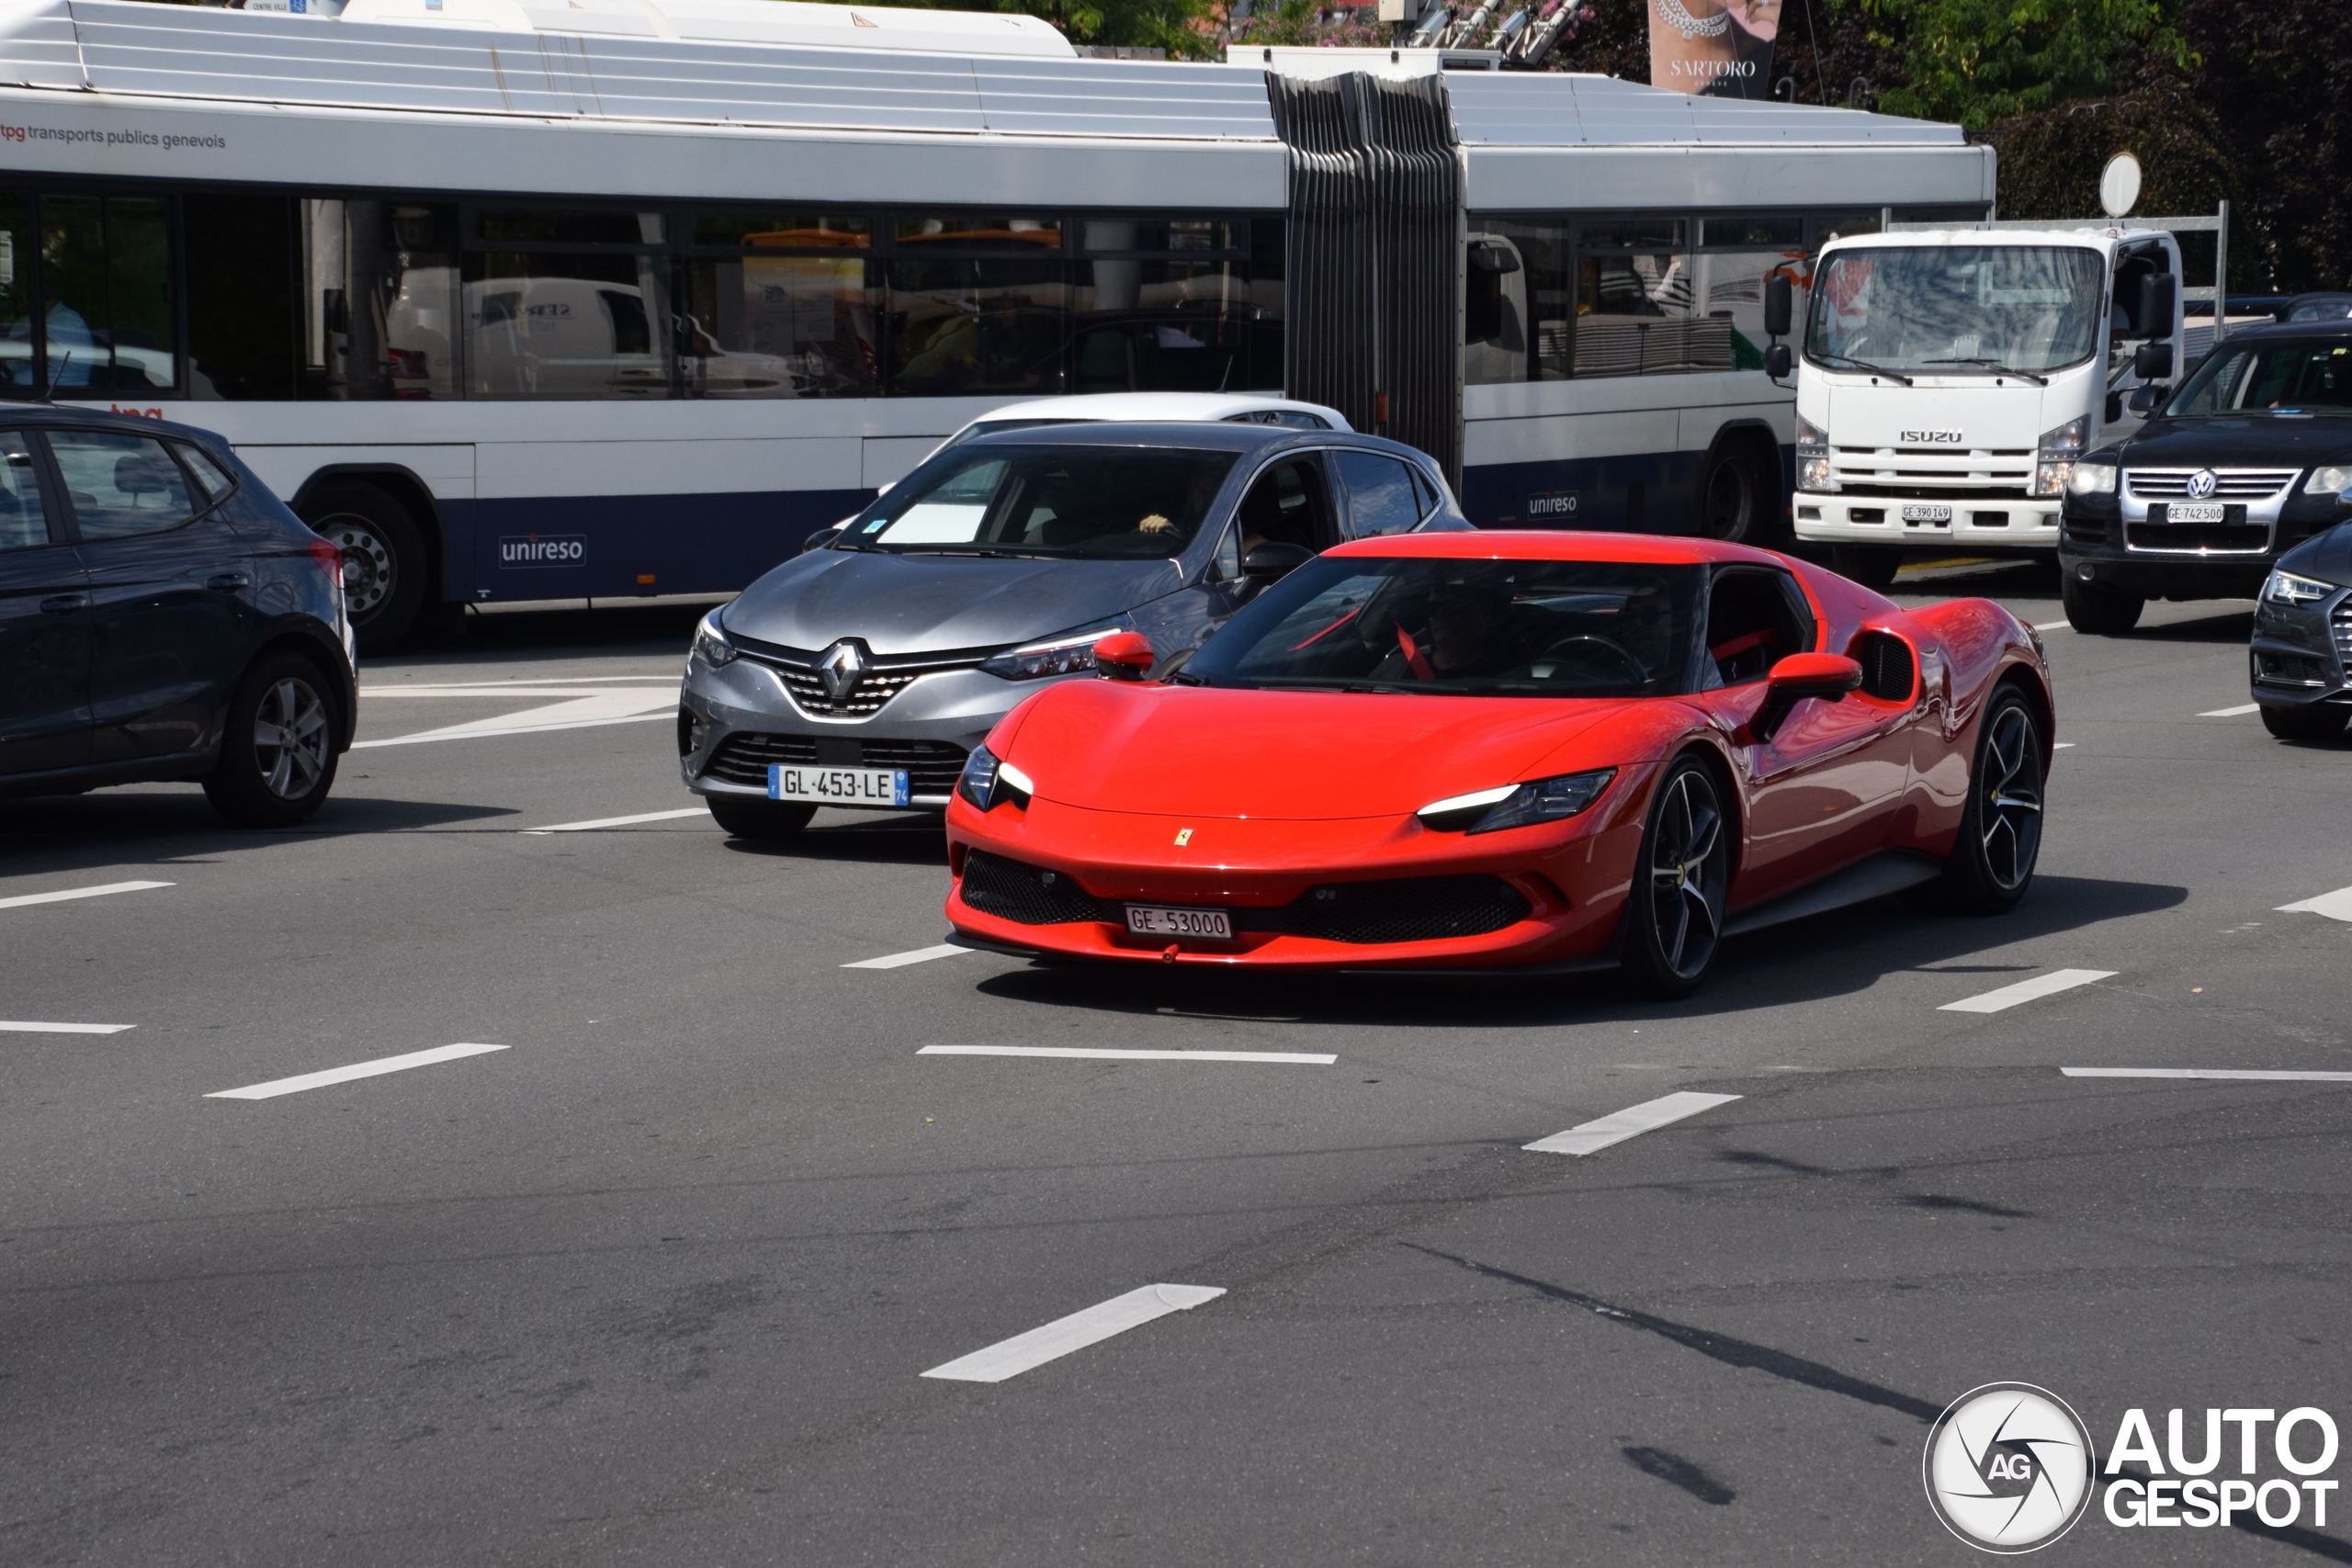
(370, 575)
(290, 738)
(1689, 863)
(2008, 809)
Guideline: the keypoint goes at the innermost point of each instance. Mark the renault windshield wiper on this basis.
(1996, 368)
(1866, 365)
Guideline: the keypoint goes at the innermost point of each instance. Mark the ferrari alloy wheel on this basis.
(1676, 916)
(2000, 832)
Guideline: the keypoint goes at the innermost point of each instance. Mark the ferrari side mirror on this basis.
(1828, 676)
(1126, 656)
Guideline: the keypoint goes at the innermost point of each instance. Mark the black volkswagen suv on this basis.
(2249, 458)
(163, 616)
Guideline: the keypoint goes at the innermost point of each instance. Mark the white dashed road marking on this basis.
(24, 898)
(382, 1065)
(621, 821)
(579, 709)
(18, 1026)
(900, 960)
(1591, 1137)
(1012, 1357)
(2238, 711)
(2250, 1073)
(2336, 905)
(2040, 985)
(1089, 1054)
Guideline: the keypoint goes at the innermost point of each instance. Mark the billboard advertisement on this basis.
(1712, 47)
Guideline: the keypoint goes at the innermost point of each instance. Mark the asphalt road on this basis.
(656, 1281)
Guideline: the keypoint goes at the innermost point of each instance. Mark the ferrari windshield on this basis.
(1532, 629)
(1103, 502)
(2270, 377)
(1957, 309)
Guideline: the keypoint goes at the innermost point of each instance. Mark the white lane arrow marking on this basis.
(579, 710)
(2336, 905)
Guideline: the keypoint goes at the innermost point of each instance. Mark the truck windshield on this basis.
(1958, 309)
(2270, 378)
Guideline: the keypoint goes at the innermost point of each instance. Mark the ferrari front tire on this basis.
(1992, 860)
(1674, 919)
(752, 817)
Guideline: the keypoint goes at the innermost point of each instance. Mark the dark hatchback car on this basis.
(163, 617)
(2249, 458)
(2302, 640)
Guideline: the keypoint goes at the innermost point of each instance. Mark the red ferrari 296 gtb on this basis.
(1498, 750)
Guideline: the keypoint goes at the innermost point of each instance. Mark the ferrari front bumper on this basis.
(1057, 882)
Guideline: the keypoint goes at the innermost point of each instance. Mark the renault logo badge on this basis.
(2203, 483)
(841, 666)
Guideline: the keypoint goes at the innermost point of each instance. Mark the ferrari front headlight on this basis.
(987, 781)
(1516, 806)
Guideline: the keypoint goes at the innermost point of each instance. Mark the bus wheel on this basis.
(384, 568)
(1872, 566)
(1732, 503)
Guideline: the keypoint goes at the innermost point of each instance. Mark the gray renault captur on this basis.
(861, 673)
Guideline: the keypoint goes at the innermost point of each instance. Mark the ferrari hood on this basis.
(1301, 756)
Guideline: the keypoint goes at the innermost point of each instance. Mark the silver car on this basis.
(862, 674)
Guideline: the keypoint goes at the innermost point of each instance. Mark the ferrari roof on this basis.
(1555, 544)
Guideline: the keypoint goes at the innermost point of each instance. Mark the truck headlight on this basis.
(2092, 478)
(2054, 461)
(1812, 456)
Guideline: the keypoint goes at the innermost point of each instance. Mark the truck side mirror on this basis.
(2157, 292)
(1778, 361)
(2153, 361)
(1776, 307)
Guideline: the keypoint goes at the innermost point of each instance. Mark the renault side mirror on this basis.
(1273, 561)
(1828, 676)
(2153, 362)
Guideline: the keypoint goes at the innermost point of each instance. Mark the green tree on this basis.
(1974, 62)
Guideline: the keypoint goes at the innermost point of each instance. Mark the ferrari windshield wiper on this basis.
(1996, 368)
(1866, 365)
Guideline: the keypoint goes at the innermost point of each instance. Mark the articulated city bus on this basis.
(627, 297)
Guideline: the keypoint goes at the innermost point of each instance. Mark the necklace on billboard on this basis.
(1679, 18)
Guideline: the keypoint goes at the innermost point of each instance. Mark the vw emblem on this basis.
(2203, 483)
(841, 666)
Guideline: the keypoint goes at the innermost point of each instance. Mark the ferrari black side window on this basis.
(1751, 625)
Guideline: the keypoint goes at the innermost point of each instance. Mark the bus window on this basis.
(1168, 305)
(17, 251)
(379, 299)
(565, 326)
(976, 324)
(1521, 324)
(1638, 305)
(106, 282)
(242, 337)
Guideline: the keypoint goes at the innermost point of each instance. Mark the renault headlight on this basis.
(2054, 461)
(1812, 456)
(1516, 805)
(1070, 653)
(710, 643)
(988, 781)
(2292, 588)
(2330, 480)
(2092, 477)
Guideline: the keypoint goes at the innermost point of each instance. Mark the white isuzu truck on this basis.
(1947, 379)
